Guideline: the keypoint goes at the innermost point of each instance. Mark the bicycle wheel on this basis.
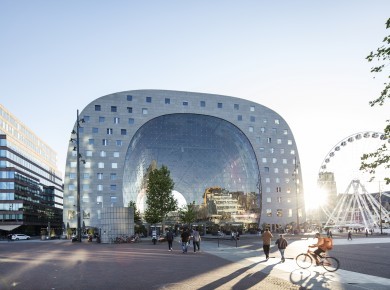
(330, 264)
(304, 261)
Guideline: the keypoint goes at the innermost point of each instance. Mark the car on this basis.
(16, 237)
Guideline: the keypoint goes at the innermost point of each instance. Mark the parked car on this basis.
(20, 237)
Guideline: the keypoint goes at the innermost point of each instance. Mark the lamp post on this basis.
(296, 192)
(78, 155)
(380, 207)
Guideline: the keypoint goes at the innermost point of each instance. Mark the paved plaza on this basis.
(60, 264)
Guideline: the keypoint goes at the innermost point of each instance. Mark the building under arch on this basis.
(206, 141)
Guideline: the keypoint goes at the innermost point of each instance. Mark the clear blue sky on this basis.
(304, 59)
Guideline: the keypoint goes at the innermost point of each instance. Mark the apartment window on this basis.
(268, 189)
(85, 198)
(185, 103)
(286, 170)
(105, 142)
(285, 132)
(264, 160)
(269, 212)
(81, 130)
(239, 118)
(269, 199)
(289, 142)
(88, 153)
(101, 165)
(144, 111)
(219, 105)
(289, 212)
(288, 200)
(276, 170)
(277, 121)
(262, 130)
(99, 175)
(123, 132)
(292, 152)
(279, 212)
(103, 154)
(269, 140)
(113, 109)
(252, 108)
(265, 121)
(148, 99)
(271, 150)
(101, 119)
(274, 160)
(202, 104)
(252, 119)
(116, 120)
(100, 187)
(277, 179)
(282, 151)
(85, 187)
(279, 189)
(267, 180)
(113, 176)
(113, 199)
(86, 176)
(131, 121)
(72, 175)
(98, 108)
(236, 106)
(86, 119)
(279, 141)
(167, 101)
(261, 149)
(250, 129)
(284, 160)
(119, 143)
(266, 169)
(73, 164)
(71, 187)
(116, 154)
(274, 131)
(129, 97)
(129, 110)
(113, 187)
(114, 165)
(109, 131)
(87, 164)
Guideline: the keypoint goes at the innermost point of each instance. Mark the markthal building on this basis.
(236, 159)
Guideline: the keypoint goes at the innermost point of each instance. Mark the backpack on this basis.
(328, 242)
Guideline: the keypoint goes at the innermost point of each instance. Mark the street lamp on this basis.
(295, 174)
(77, 148)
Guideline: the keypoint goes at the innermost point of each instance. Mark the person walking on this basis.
(266, 236)
(170, 238)
(349, 235)
(185, 236)
(196, 239)
(282, 245)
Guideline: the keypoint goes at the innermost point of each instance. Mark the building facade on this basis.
(205, 140)
(31, 192)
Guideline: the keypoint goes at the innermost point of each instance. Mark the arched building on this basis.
(205, 140)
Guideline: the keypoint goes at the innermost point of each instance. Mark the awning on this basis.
(8, 227)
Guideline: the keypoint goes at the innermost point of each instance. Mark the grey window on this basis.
(203, 104)
(236, 106)
(98, 108)
(167, 101)
(148, 99)
(101, 119)
(95, 130)
(129, 97)
(131, 121)
(219, 105)
(129, 110)
(113, 109)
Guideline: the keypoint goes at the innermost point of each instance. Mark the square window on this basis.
(113, 109)
(86, 119)
(113, 199)
(113, 176)
(236, 106)
(148, 99)
(72, 175)
(71, 187)
(95, 130)
(277, 121)
(103, 154)
(264, 160)
(266, 169)
(100, 176)
(81, 130)
(116, 154)
(185, 103)
(129, 97)
(123, 132)
(250, 129)
(252, 108)
(85, 187)
(131, 121)
(269, 212)
(87, 164)
(100, 187)
(98, 108)
(101, 165)
(91, 141)
(285, 132)
(109, 131)
(86, 176)
(105, 142)
(202, 104)
(118, 142)
(219, 105)
(239, 118)
(252, 118)
(116, 120)
(114, 165)
(113, 187)
(144, 111)
(268, 199)
(129, 110)
(101, 119)
(167, 101)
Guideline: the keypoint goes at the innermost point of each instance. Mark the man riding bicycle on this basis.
(321, 248)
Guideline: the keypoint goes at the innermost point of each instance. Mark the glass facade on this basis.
(200, 151)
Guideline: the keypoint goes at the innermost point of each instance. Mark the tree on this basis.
(381, 157)
(137, 214)
(159, 197)
(188, 213)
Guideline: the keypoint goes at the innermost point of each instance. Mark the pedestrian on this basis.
(196, 239)
(366, 233)
(349, 235)
(282, 245)
(185, 236)
(170, 238)
(266, 236)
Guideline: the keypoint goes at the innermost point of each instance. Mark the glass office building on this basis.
(31, 192)
(234, 158)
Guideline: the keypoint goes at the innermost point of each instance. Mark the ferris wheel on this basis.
(352, 195)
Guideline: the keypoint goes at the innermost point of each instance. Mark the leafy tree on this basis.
(159, 197)
(188, 213)
(381, 157)
(137, 214)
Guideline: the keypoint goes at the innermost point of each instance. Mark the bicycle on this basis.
(305, 260)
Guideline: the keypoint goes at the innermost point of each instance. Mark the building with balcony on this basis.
(205, 140)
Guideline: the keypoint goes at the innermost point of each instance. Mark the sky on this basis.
(303, 59)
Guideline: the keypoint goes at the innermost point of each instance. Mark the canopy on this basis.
(8, 227)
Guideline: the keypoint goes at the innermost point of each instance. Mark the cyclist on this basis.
(321, 248)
